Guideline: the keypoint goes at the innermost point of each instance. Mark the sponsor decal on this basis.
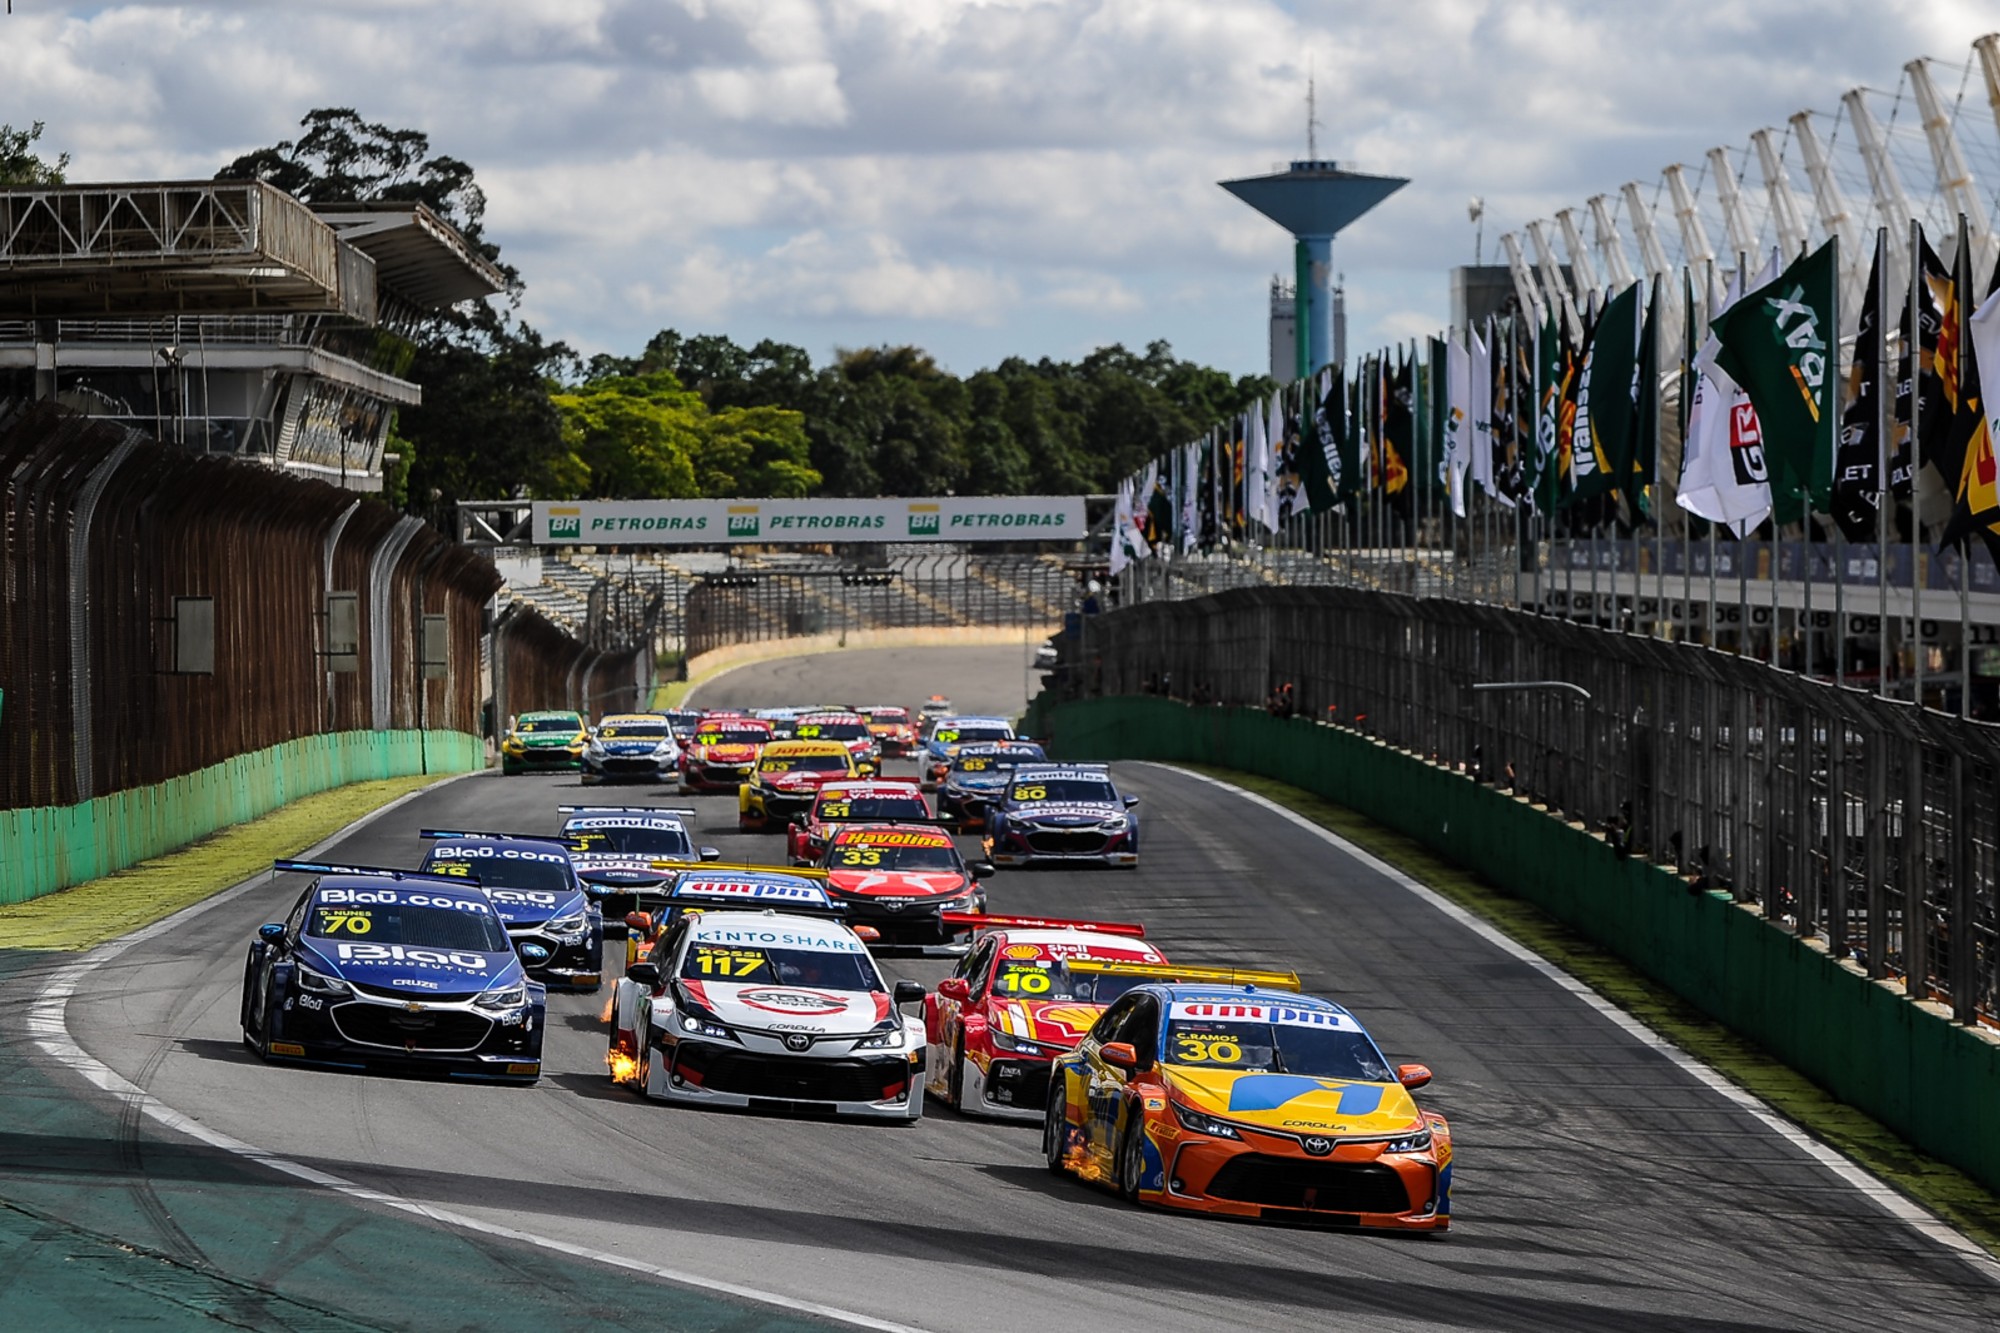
(793, 1001)
(717, 933)
(526, 897)
(461, 959)
(400, 897)
(454, 851)
(1022, 951)
(566, 524)
(864, 838)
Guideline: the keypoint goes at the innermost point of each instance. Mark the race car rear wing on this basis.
(627, 810)
(1234, 976)
(562, 838)
(372, 872)
(986, 921)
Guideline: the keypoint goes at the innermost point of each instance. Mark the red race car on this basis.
(850, 729)
(907, 881)
(893, 730)
(870, 801)
(722, 752)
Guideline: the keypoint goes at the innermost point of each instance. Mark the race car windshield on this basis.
(732, 736)
(636, 841)
(1046, 979)
(404, 923)
(892, 716)
(826, 970)
(875, 807)
(505, 872)
(636, 731)
(805, 763)
(918, 860)
(531, 725)
(1278, 1048)
(969, 735)
(1078, 791)
(832, 731)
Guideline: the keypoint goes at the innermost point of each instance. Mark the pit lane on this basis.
(1598, 1184)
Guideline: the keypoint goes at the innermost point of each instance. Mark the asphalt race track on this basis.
(1598, 1186)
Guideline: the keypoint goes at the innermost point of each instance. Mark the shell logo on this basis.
(1075, 1017)
(1021, 951)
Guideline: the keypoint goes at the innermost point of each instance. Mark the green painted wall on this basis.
(1927, 1078)
(52, 847)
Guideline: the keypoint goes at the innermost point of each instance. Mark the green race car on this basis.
(544, 743)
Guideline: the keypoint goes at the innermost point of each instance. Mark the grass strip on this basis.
(1950, 1193)
(97, 910)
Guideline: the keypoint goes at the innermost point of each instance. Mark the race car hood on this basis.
(409, 967)
(897, 883)
(725, 754)
(805, 780)
(794, 1008)
(1064, 812)
(1045, 1022)
(626, 748)
(1295, 1102)
(618, 868)
(531, 907)
(977, 781)
(546, 740)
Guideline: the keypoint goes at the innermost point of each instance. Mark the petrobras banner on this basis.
(1000, 518)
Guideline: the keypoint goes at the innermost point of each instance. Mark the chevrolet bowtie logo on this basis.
(414, 1007)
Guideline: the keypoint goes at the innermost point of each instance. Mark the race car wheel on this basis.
(1055, 1129)
(955, 1076)
(1131, 1161)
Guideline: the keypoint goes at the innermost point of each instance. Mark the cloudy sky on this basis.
(1012, 177)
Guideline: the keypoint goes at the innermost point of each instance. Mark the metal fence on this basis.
(1844, 815)
(540, 665)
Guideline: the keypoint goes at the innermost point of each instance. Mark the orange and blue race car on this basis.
(867, 801)
(1237, 1101)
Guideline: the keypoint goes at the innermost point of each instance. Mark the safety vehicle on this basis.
(907, 881)
(722, 753)
(895, 734)
(942, 742)
(625, 853)
(1063, 812)
(849, 729)
(557, 928)
(933, 708)
(395, 969)
(548, 742)
(788, 776)
(632, 747)
(773, 1010)
(977, 776)
(1240, 1101)
(870, 800)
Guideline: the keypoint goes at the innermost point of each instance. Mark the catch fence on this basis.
(1842, 814)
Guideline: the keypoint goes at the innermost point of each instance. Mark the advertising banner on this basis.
(997, 518)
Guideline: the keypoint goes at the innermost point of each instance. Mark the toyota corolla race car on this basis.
(977, 776)
(780, 1011)
(788, 777)
(905, 880)
(1233, 1100)
(722, 752)
(1063, 812)
(632, 747)
(392, 968)
(849, 729)
(624, 853)
(895, 735)
(543, 743)
(870, 801)
(942, 741)
(784, 721)
(556, 927)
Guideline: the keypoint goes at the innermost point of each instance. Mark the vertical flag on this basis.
(1398, 433)
(1856, 489)
(1127, 542)
(1975, 505)
(1778, 342)
(1637, 480)
(1190, 495)
(1479, 408)
(1602, 437)
(1724, 478)
(1458, 429)
(1319, 449)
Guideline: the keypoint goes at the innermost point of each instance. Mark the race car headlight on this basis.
(891, 1040)
(514, 744)
(1204, 1124)
(319, 983)
(1116, 824)
(573, 924)
(1003, 1041)
(706, 1027)
(1417, 1142)
(595, 747)
(664, 748)
(502, 998)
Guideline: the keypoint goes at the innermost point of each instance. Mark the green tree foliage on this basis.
(643, 435)
(20, 164)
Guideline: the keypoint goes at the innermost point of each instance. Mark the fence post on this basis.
(82, 758)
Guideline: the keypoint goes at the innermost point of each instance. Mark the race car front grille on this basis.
(1078, 842)
(551, 756)
(1018, 1083)
(402, 994)
(1328, 1187)
(789, 1078)
(641, 765)
(399, 1029)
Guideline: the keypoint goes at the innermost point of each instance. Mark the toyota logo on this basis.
(1318, 1147)
(797, 1041)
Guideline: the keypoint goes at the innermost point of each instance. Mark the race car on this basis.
(556, 927)
(788, 775)
(895, 735)
(870, 800)
(734, 887)
(632, 747)
(783, 721)
(780, 1011)
(1063, 812)
(850, 729)
(1237, 1101)
(549, 742)
(942, 741)
(624, 853)
(392, 968)
(722, 752)
(978, 774)
(935, 707)
(906, 880)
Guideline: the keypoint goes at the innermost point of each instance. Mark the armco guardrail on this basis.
(1933, 1081)
(1843, 815)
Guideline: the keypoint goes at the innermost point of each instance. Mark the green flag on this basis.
(1601, 441)
(1778, 343)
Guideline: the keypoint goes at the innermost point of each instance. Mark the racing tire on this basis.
(1131, 1160)
(1055, 1132)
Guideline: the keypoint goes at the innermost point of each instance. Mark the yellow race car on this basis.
(788, 776)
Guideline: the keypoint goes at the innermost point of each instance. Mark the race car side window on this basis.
(978, 964)
(296, 922)
(1111, 1024)
(1142, 1029)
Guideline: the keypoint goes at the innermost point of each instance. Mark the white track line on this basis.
(1884, 1196)
(49, 1027)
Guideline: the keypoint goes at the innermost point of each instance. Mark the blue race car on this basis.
(395, 969)
(556, 927)
(632, 747)
(977, 776)
(942, 739)
(620, 852)
(1063, 812)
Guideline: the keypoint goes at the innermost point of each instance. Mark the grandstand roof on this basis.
(418, 255)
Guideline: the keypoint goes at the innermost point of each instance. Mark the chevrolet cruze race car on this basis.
(1233, 1100)
(621, 851)
(789, 775)
(779, 1011)
(632, 747)
(849, 729)
(543, 743)
(1063, 812)
(392, 968)
(722, 752)
(784, 721)
(977, 776)
(869, 801)
(683, 721)
(556, 927)
(941, 742)
(895, 735)
(905, 880)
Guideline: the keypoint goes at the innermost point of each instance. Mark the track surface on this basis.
(1598, 1186)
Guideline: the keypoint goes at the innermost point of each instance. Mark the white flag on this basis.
(1256, 461)
(1723, 474)
(1127, 542)
(1190, 496)
(1480, 409)
(1458, 425)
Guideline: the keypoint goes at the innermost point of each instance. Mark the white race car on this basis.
(775, 1011)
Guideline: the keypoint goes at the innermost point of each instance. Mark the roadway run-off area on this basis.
(1598, 1185)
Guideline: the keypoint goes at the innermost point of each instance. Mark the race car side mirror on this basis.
(1412, 1076)
(954, 988)
(980, 869)
(639, 921)
(1119, 1055)
(271, 932)
(1131, 801)
(798, 821)
(909, 992)
(643, 974)
(711, 853)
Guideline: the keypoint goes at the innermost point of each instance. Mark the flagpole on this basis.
(1916, 460)
(1967, 303)
(1884, 500)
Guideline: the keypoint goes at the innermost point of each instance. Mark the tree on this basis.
(21, 165)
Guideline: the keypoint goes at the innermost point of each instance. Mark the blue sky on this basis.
(1018, 177)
